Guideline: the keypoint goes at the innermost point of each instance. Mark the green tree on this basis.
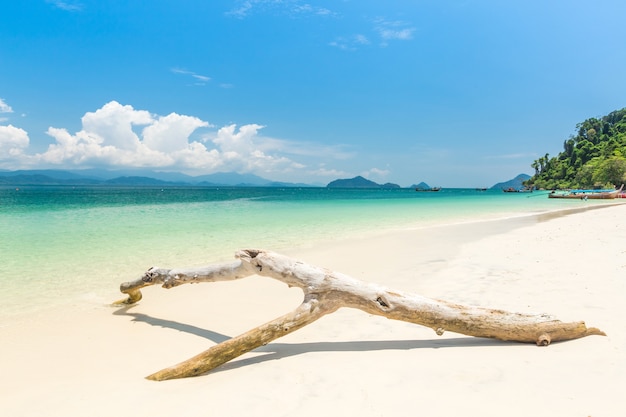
(596, 156)
(610, 171)
(584, 176)
(535, 166)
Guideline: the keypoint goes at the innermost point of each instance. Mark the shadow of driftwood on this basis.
(276, 351)
(170, 324)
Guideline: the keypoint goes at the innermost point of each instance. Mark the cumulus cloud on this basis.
(241, 152)
(171, 133)
(4, 107)
(120, 136)
(13, 142)
(113, 124)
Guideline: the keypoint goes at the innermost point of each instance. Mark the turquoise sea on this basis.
(61, 244)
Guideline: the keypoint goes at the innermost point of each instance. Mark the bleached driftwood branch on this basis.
(326, 291)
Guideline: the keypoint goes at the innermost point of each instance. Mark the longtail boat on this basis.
(588, 194)
(428, 189)
(518, 190)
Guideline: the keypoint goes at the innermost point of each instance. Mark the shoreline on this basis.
(430, 238)
(89, 358)
(451, 234)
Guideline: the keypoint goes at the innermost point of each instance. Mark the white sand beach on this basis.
(90, 359)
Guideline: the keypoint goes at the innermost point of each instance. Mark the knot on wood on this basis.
(544, 340)
(382, 302)
(252, 253)
(148, 276)
(171, 281)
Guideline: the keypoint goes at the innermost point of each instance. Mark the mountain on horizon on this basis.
(421, 186)
(135, 177)
(515, 183)
(358, 182)
(144, 177)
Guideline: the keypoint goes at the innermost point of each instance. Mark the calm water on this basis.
(65, 244)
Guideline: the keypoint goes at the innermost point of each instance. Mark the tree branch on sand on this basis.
(326, 291)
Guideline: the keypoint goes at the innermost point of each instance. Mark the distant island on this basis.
(422, 186)
(135, 178)
(516, 183)
(147, 178)
(359, 182)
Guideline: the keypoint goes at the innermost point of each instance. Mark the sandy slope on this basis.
(88, 359)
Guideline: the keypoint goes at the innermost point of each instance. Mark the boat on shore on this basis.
(517, 190)
(428, 189)
(588, 194)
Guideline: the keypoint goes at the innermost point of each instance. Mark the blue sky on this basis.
(453, 93)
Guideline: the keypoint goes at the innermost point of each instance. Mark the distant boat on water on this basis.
(589, 194)
(428, 189)
(517, 190)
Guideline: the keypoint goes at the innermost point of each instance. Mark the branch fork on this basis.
(325, 292)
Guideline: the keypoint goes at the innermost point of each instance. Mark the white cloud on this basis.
(13, 142)
(171, 133)
(108, 138)
(68, 6)
(308, 9)
(350, 43)
(230, 141)
(4, 107)
(201, 79)
(324, 172)
(120, 136)
(361, 39)
(393, 30)
(307, 149)
(375, 172)
(291, 8)
(243, 151)
(241, 11)
(378, 171)
(387, 30)
(113, 125)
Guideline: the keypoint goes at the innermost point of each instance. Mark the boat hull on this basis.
(583, 195)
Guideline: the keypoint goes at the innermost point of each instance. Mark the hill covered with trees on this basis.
(594, 158)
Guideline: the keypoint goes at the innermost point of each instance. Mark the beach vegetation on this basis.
(593, 158)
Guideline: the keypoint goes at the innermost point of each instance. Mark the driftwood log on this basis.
(326, 291)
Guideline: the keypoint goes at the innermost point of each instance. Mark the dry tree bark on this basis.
(326, 291)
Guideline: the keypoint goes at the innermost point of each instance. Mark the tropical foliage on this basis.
(594, 158)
